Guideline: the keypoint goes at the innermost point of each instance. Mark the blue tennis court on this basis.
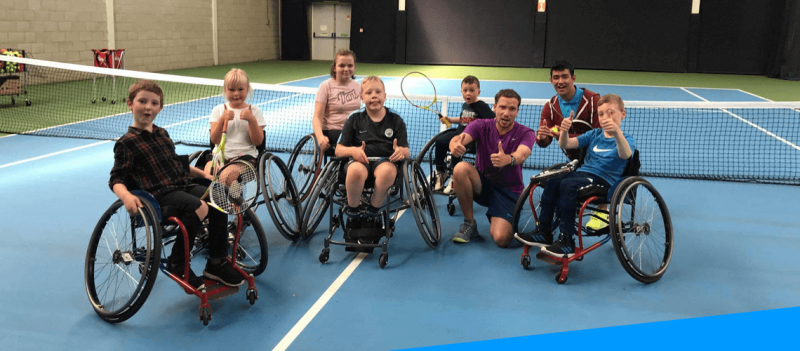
(735, 251)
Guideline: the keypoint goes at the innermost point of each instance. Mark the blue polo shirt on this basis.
(572, 104)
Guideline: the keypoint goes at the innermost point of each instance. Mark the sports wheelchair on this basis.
(428, 155)
(124, 251)
(639, 224)
(410, 191)
(279, 193)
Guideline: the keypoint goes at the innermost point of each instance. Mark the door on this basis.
(330, 29)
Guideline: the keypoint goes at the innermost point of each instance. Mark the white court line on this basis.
(76, 148)
(53, 154)
(760, 97)
(326, 296)
(751, 123)
(762, 129)
(302, 79)
(697, 96)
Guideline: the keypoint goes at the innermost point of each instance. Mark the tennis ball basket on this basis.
(13, 76)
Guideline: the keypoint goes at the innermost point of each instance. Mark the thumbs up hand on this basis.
(247, 115)
(609, 126)
(457, 147)
(360, 154)
(399, 152)
(227, 114)
(500, 159)
(566, 123)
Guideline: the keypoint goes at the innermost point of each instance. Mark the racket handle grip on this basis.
(445, 121)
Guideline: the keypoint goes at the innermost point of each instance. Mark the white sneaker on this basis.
(449, 189)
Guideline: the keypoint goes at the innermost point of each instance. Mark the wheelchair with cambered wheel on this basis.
(125, 253)
(639, 223)
(410, 191)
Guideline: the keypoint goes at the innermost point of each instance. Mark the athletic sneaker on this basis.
(449, 188)
(467, 230)
(223, 272)
(599, 221)
(561, 247)
(437, 180)
(537, 237)
(194, 280)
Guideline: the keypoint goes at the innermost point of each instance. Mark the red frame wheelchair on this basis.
(639, 224)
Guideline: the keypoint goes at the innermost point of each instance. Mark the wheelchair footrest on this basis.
(366, 234)
(217, 290)
(369, 236)
(600, 232)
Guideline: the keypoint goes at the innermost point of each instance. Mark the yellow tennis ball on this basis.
(555, 129)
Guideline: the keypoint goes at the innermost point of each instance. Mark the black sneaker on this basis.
(561, 247)
(224, 273)
(194, 280)
(537, 237)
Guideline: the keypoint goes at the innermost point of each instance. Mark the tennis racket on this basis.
(235, 185)
(415, 80)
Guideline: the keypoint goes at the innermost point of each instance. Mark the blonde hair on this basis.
(236, 76)
(342, 52)
(612, 98)
(372, 79)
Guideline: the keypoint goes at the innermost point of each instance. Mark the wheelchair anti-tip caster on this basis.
(205, 315)
(525, 261)
(451, 209)
(252, 296)
(383, 259)
(325, 255)
(561, 278)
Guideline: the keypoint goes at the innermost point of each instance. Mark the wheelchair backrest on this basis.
(631, 169)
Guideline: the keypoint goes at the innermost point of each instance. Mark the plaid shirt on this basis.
(149, 160)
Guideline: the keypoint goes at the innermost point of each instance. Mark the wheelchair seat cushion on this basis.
(601, 191)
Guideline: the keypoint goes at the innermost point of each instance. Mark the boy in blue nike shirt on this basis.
(608, 152)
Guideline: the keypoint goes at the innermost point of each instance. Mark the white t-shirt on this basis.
(238, 140)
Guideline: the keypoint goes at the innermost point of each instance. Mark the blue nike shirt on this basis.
(602, 158)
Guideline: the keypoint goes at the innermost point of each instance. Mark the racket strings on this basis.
(236, 189)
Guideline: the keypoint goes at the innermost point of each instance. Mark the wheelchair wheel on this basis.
(526, 211)
(641, 229)
(253, 253)
(427, 157)
(304, 164)
(280, 196)
(122, 261)
(423, 206)
(320, 199)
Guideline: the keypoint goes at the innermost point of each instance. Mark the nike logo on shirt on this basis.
(601, 150)
(362, 131)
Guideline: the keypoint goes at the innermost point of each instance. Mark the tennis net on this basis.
(698, 140)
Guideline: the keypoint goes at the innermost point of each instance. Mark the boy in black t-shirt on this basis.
(374, 132)
(472, 109)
